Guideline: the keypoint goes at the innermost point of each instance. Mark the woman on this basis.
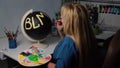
(77, 47)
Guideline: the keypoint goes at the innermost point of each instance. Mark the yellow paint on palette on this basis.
(21, 57)
(36, 62)
(41, 61)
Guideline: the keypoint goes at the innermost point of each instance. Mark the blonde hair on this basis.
(75, 20)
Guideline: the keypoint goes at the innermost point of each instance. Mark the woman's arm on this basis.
(51, 65)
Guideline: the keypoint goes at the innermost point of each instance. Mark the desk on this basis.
(103, 41)
(24, 44)
(104, 38)
(105, 35)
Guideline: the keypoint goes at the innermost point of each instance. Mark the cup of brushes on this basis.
(11, 38)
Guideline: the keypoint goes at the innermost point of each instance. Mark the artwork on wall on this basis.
(64, 1)
(111, 9)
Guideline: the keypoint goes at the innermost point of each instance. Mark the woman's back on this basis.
(66, 54)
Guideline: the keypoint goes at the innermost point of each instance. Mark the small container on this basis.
(12, 43)
(54, 28)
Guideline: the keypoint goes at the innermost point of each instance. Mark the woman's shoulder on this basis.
(67, 38)
(68, 41)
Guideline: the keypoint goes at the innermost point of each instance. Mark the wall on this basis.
(108, 19)
(11, 11)
(102, 0)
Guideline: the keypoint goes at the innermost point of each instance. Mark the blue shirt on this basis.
(66, 54)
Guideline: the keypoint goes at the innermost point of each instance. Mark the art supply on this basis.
(11, 34)
(11, 37)
(34, 58)
(54, 28)
(12, 43)
(16, 33)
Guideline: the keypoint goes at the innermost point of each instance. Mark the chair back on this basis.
(112, 57)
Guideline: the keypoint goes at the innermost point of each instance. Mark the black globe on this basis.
(37, 25)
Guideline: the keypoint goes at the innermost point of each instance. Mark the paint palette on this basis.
(33, 57)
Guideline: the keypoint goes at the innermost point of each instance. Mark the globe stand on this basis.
(41, 45)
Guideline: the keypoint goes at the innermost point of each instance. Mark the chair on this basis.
(112, 57)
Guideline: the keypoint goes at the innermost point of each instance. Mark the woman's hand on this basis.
(51, 65)
(60, 28)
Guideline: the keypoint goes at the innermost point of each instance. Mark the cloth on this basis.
(65, 54)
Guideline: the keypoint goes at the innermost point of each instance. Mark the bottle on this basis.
(54, 28)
